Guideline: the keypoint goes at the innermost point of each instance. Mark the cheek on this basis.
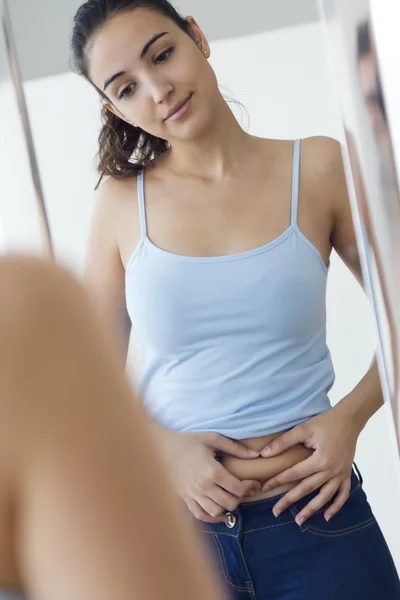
(209, 83)
(141, 112)
(191, 72)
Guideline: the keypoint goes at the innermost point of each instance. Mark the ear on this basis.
(109, 106)
(199, 37)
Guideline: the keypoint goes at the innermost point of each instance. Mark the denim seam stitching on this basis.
(250, 585)
(268, 527)
(216, 533)
(224, 566)
(340, 532)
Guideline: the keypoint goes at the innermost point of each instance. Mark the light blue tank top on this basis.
(232, 344)
(10, 596)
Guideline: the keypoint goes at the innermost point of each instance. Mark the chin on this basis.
(196, 127)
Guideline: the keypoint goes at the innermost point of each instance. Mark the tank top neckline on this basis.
(291, 229)
(224, 257)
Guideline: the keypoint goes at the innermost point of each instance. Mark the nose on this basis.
(160, 90)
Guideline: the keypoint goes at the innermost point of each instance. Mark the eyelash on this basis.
(166, 53)
(123, 95)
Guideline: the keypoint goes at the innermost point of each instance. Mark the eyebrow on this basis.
(142, 55)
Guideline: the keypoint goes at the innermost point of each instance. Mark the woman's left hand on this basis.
(333, 436)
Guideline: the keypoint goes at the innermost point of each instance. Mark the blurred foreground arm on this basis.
(95, 513)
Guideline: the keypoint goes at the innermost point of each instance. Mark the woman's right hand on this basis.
(207, 488)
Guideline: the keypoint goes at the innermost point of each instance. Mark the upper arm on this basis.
(104, 270)
(343, 235)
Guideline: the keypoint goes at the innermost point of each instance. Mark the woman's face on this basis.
(148, 68)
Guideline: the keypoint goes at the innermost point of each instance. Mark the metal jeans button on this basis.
(230, 520)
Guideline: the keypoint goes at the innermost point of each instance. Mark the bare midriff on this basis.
(263, 469)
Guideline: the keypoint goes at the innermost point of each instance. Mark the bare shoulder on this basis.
(322, 148)
(114, 193)
(116, 211)
(322, 160)
(274, 149)
(323, 172)
(321, 163)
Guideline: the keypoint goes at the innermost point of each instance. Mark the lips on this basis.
(175, 109)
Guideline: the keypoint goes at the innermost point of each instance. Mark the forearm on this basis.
(366, 398)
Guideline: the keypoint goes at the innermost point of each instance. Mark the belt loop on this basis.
(358, 474)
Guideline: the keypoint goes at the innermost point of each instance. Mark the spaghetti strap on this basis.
(142, 206)
(295, 181)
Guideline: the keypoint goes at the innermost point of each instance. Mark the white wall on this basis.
(19, 223)
(281, 79)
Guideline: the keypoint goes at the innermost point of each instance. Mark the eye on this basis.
(164, 56)
(127, 91)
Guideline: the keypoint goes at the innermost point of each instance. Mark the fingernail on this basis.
(253, 453)
(328, 518)
(266, 452)
(276, 513)
(300, 521)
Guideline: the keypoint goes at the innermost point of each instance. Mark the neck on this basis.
(217, 153)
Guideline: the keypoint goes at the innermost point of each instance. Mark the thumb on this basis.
(231, 447)
(284, 442)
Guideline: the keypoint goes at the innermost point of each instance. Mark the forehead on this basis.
(120, 41)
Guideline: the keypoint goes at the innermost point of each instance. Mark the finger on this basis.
(303, 469)
(340, 500)
(224, 499)
(200, 514)
(229, 501)
(291, 438)
(228, 446)
(327, 492)
(304, 488)
(231, 484)
(210, 507)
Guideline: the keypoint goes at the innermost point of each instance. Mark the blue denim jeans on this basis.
(260, 557)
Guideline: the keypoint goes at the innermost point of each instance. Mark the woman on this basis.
(78, 518)
(217, 245)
